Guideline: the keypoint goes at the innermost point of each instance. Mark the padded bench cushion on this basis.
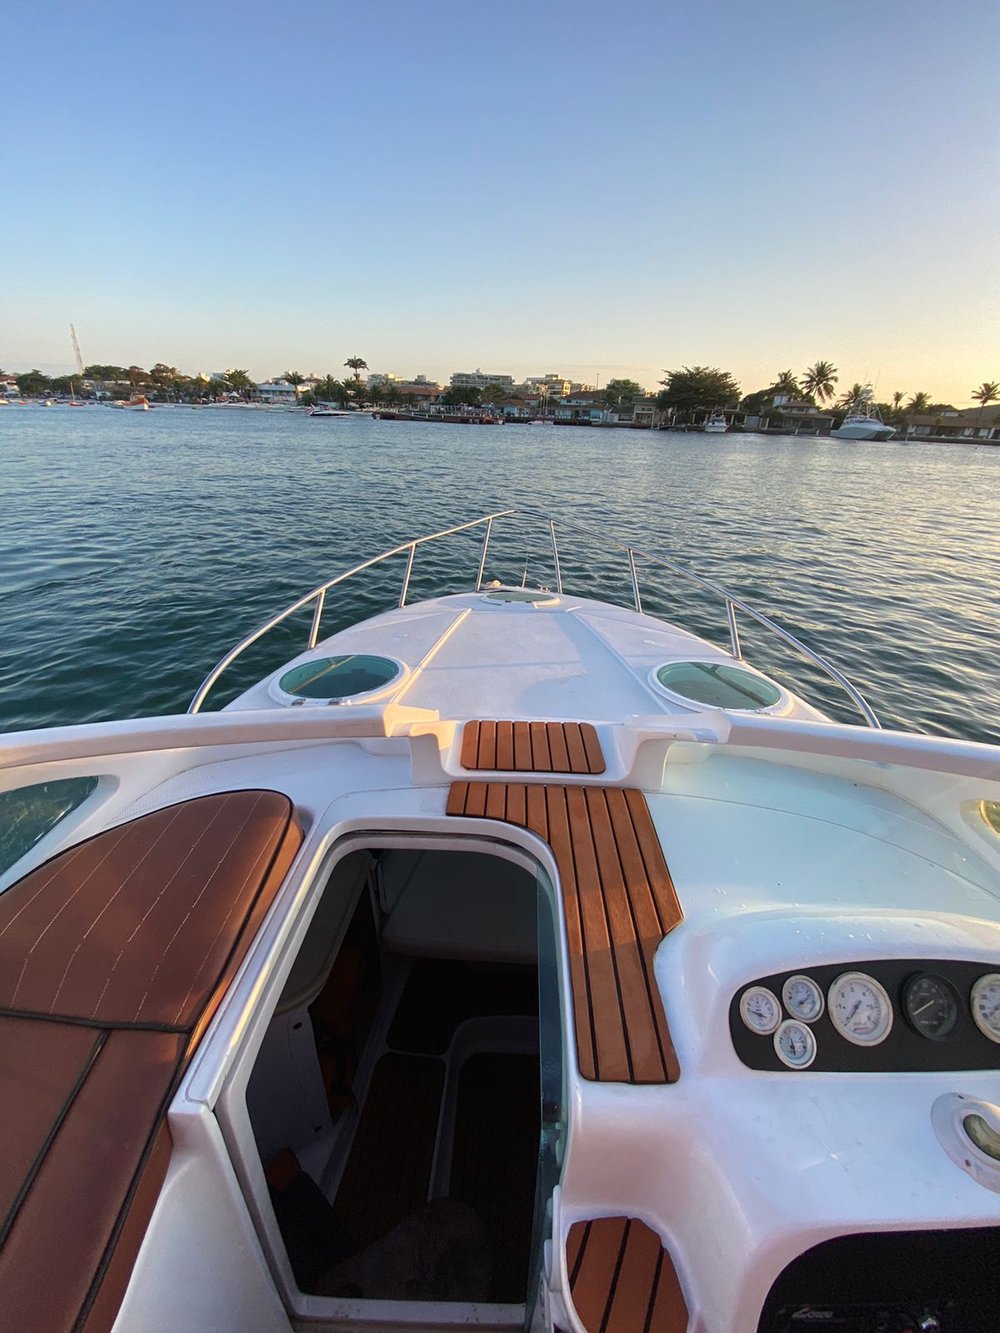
(113, 958)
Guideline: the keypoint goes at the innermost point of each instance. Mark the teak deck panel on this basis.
(113, 957)
(622, 1280)
(618, 903)
(532, 747)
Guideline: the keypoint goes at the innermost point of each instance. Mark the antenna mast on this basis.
(76, 350)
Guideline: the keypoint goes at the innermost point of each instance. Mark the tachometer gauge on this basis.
(985, 1002)
(931, 1005)
(803, 998)
(795, 1044)
(860, 1009)
(760, 1010)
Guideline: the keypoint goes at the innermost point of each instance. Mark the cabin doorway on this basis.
(406, 1101)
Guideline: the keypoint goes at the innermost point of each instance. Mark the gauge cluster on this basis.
(890, 1015)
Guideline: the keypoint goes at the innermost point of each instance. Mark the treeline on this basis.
(692, 391)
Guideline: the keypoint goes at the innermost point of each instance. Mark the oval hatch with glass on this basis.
(336, 679)
(718, 685)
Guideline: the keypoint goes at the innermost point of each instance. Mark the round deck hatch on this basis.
(718, 685)
(332, 678)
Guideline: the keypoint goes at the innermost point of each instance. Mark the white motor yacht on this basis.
(716, 424)
(508, 960)
(863, 421)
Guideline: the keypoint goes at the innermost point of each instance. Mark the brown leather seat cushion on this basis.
(113, 957)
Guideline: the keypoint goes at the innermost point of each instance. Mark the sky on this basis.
(592, 189)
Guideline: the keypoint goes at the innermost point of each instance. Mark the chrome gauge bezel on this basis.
(809, 1037)
(816, 990)
(978, 986)
(745, 999)
(860, 978)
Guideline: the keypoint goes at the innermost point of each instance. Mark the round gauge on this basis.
(803, 998)
(760, 1010)
(985, 1002)
(795, 1044)
(931, 1004)
(860, 1009)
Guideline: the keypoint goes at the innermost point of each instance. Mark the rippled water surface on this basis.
(136, 548)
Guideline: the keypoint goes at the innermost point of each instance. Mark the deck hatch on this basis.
(718, 685)
(345, 677)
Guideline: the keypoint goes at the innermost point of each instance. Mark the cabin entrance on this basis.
(397, 1101)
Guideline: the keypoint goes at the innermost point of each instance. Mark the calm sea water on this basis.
(136, 548)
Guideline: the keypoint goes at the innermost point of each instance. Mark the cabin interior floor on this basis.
(433, 1175)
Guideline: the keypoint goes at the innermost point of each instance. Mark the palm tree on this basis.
(328, 389)
(897, 398)
(988, 392)
(239, 381)
(852, 395)
(920, 402)
(820, 379)
(787, 384)
(357, 364)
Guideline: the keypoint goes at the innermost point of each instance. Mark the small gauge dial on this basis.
(760, 1010)
(985, 1001)
(803, 998)
(931, 1005)
(860, 1009)
(795, 1044)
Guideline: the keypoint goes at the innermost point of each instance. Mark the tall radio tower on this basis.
(76, 350)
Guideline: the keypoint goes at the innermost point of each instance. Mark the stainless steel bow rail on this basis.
(733, 604)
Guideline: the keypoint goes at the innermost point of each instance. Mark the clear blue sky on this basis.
(587, 188)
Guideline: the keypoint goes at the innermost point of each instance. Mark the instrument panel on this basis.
(886, 1015)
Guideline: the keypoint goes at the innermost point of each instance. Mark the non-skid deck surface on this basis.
(532, 747)
(495, 1157)
(619, 902)
(388, 1172)
(622, 1279)
(441, 994)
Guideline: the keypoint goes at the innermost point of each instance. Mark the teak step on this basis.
(532, 747)
(621, 1278)
(619, 902)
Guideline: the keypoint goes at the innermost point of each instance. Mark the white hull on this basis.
(863, 430)
(542, 794)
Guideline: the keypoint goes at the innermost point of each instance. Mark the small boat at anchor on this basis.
(507, 960)
(137, 403)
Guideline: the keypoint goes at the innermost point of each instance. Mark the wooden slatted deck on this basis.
(622, 1279)
(619, 902)
(532, 747)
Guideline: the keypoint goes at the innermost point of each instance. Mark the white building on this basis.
(476, 379)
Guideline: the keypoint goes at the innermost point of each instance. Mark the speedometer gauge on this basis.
(760, 1010)
(860, 1008)
(985, 1001)
(803, 998)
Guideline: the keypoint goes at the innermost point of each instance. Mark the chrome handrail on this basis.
(854, 694)
(732, 603)
(320, 594)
